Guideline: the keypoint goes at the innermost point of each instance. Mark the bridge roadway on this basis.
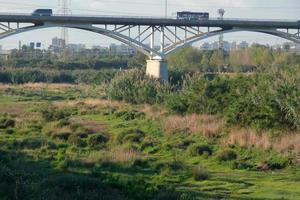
(147, 21)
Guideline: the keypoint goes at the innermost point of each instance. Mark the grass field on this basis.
(68, 142)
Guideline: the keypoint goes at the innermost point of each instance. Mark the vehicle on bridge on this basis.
(42, 12)
(192, 16)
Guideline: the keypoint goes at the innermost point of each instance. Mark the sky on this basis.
(250, 9)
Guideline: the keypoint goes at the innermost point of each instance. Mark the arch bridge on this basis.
(154, 37)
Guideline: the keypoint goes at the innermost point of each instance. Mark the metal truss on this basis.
(154, 41)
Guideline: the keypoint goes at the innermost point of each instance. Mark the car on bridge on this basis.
(192, 16)
(42, 12)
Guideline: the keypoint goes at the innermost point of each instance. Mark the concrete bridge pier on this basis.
(157, 68)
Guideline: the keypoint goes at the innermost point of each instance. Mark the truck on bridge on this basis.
(42, 12)
(192, 16)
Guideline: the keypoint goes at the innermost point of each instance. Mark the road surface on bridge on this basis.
(148, 21)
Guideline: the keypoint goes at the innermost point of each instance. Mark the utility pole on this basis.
(64, 10)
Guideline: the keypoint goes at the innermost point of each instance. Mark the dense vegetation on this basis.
(123, 135)
(52, 148)
(30, 75)
(257, 58)
(262, 101)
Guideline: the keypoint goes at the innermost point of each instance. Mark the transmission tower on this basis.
(64, 9)
(221, 13)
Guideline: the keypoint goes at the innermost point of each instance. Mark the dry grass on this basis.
(117, 155)
(92, 103)
(248, 137)
(289, 142)
(208, 125)
(92, 126)
(12, 109)
(38, 86)
(153, 112)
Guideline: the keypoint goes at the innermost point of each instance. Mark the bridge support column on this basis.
(157, 68)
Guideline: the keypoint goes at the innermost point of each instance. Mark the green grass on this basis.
(34, 164)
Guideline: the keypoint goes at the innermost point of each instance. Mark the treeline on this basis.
(96, 63)
(31, 75)
(261, 101)
(255, 58)
(82, 62)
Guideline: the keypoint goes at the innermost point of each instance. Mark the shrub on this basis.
(196, 150)
(241, 164)
(9, 131)
(75, 140)
(30, 143)
(6, 122)
(176, 165)
(51, 113)
(62, 134)
(200, 173)
(135, 87)
(184, 144)
(131, 135)
(273, 163)
(227, 155)
(129, 114)
(97, 140)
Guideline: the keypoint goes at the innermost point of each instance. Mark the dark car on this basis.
(186, 15)
(42, 12)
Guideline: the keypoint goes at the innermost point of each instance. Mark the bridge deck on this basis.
(226, 23)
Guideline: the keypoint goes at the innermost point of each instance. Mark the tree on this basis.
(217, 60)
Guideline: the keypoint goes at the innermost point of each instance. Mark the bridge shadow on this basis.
(28, 178)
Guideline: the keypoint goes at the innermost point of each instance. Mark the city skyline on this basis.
(287, 9)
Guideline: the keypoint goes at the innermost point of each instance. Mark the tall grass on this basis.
(115, 155)
(208, 125)
(286, 143)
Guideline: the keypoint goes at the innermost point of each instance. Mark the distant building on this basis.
(31, 45)
(233, 46)
(4, 54)
(205, 46)
(121, 49)
(215, 45)
(76, 47)
(57, 45)
(243, 45)
(227, 46)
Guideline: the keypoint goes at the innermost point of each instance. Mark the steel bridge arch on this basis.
(189, 41)
(150, 52)
(117, 36)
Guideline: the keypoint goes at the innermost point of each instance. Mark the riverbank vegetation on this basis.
(114, 134)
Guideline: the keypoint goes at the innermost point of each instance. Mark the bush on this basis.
(200, 173)
(97, 140)
(227, 155)
(30, 143)
(131, 135)
(6, 122)
(9, 131)
(75, 140)
(61, 135)
(135, 87)
(51, 113)
(129, 114)
(33, 75)
(196, 150)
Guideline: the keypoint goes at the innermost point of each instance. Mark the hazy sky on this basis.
(255, 9)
